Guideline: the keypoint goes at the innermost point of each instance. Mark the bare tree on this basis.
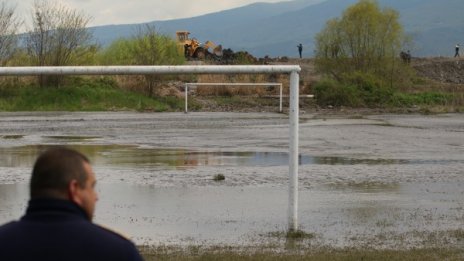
(9, 23)
(58, 37)
(152, 48)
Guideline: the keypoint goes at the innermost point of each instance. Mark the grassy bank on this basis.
(106, 94)
(368, 95)
(81, 95)
(229, 254)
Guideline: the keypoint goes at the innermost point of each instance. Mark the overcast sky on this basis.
(104, 12)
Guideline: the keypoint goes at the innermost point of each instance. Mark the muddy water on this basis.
(383, 180)
(136, 157)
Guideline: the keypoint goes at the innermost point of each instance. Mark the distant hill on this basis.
(276, 28)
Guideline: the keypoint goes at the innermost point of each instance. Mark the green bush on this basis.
(357, 89)
(372, 88)
(330, 92)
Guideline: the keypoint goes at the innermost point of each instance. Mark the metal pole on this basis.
(147, 69)
(233, 84)
(186, 94)
(293, 154)
(280, 102)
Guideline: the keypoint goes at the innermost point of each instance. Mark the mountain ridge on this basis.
(275, 29)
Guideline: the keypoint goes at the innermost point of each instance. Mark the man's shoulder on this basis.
(10, 230)
(101, 243)
(113, 238)
(8, 227)
(112, 232)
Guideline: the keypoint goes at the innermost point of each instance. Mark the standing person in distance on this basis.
(300, 49)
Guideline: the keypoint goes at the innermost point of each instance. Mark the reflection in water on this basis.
(25, 156)
(134, 156)
(192, 215)
(72, 138)
(12, 137)
(352, 161)
(365, 186)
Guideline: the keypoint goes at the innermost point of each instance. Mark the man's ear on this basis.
(74, 192)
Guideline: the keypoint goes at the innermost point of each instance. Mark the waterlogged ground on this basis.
(383, 181)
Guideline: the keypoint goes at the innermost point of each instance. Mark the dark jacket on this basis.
(60, 230)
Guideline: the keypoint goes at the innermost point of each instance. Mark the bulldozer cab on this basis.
(182, 36)
(191, 47)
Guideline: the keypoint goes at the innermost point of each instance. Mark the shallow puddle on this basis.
(356, 195)
(203, 215)
(134, 156)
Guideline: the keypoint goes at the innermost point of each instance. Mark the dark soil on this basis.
(440, 69)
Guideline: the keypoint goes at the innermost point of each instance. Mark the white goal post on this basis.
(292, 70)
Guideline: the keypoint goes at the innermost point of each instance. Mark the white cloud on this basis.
(105, 12)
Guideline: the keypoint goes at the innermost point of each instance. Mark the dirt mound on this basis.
(169, 89)
(241, 57)
(440, 69)
(446, 70)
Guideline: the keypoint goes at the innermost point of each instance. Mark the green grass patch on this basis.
(82, 95)
(299, 234)
(219, 177)
(358, 95)
(424, 98)
(270, 254)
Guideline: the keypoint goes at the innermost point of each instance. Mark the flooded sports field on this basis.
(384, 181)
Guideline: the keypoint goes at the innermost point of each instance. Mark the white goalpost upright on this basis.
(292, 70)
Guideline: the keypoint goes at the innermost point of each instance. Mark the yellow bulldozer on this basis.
(194, 49)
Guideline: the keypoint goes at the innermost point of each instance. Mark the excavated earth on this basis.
(440, 69)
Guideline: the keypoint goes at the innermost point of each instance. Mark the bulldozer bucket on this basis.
(218, 50)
